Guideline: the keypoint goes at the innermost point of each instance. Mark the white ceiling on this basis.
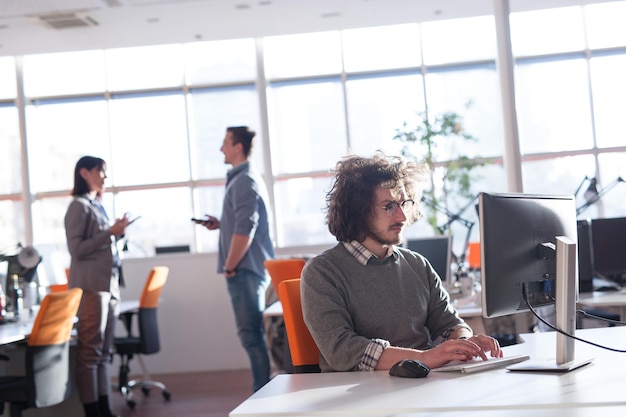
(120, 23)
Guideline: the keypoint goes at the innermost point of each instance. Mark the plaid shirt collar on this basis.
(362, 254)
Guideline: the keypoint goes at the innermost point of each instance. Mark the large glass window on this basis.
(10, 168)
(536, 33)
(609, 104)
(64, 73)
(11, 225)
(605, 24)
(377, 106)
(211, 111)
(144, 67)
(220, 61)
(471, 92)
(458, 40)
(149, 139)
(301, 55)
(158, 116)
(80, 125)
(553, 104)
(393, 46)
(8, 86)
(307, 125)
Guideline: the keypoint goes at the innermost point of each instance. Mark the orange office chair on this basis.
(304, 351)
(473, 255)
(47, 371)
(146, 342)
(282, 269)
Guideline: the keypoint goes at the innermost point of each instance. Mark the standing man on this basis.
(368, 302)
(244, 245)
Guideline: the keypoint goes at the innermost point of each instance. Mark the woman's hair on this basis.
(89, 163)
(350, 201)
(243, 135)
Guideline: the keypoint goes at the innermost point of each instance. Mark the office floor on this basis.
(199, 394)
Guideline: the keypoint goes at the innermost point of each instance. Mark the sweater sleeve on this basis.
(328, 319)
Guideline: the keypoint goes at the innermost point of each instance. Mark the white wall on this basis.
(196, 323)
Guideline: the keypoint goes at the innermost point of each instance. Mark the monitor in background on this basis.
(585, 257)
(438, 251)
(529, 256)
(609, 248)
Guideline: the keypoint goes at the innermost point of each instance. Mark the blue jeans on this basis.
(247, 295)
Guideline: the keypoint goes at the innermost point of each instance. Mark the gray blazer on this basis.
(91, 248)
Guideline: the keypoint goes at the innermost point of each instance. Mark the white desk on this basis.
(595, 389)
(606, 299)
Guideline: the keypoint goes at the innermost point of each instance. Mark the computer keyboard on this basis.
(478, 364)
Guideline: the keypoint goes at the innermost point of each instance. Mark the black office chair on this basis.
(147, 342)
(46, 381)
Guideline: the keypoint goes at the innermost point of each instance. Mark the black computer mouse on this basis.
(409, 368)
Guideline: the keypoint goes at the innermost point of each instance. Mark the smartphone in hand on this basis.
(202, 221)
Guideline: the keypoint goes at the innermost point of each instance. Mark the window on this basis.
(81, 125)
(64, 73)
(393, 46)
(554, 112)
(149, 142)
(302, 55)
(307, 125)
(8, 86)
(158, 116)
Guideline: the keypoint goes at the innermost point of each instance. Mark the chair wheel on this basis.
(145, 390)
(166, 395)
(131, 404)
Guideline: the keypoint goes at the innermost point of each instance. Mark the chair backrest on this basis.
(473, 255)
(47, 350)
(148, 304)
(282, 269)
(304, 351)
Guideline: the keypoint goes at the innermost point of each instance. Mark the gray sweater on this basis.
(399, 299)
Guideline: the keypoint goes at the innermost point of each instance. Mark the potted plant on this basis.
(435, 142)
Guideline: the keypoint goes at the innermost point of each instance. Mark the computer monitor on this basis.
(529, 257)
(438, 251)
(585, 256)
(609, 248)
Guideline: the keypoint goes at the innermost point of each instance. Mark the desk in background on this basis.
(605, 299)
(595, 389)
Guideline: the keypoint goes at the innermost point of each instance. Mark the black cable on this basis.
(584, 314)
(532, 310)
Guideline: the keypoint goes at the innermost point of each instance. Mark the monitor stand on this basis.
(565, 304)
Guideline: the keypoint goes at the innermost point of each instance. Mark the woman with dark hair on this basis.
(95, 267)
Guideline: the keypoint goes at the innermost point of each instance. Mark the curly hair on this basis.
(350, 201)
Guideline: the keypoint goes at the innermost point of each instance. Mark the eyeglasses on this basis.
(392, 208)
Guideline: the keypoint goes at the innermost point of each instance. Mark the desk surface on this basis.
(595, 389)
(17, 331)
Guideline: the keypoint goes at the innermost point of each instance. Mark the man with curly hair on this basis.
(368, 302)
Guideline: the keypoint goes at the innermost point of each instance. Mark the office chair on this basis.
(147, 342)
(46, 381)
(282, 269)
(304, 351)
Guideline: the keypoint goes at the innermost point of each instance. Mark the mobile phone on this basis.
(202, 221)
